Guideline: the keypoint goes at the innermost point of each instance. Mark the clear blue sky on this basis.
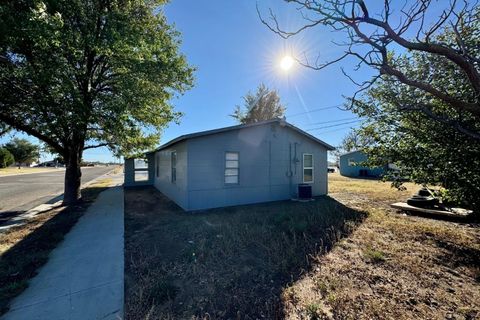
(234, 52)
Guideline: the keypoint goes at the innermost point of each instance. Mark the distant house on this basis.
(351, 165)
(260, 162)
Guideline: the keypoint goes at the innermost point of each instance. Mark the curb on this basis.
(44, 207)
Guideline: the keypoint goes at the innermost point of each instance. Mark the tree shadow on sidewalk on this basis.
(25, 248)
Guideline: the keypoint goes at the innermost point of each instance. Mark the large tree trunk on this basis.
(73, 177)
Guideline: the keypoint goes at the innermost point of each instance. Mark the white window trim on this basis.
(225, 168)
(312, 167)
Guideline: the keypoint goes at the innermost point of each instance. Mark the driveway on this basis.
(22, 192)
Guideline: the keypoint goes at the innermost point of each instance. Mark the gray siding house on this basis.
(260, 162)
(350, 165)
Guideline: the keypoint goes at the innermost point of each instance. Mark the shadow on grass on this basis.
(456, 256)
(31, 249)
(228, 263)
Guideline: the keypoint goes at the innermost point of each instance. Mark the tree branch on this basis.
(96, 146)
(31, 131)
(448, 121)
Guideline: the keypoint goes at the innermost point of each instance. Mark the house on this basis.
(351, 165)
(251, 163)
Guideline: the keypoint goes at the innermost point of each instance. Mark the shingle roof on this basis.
(241, 126)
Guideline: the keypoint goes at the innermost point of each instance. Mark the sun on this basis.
(287, 63)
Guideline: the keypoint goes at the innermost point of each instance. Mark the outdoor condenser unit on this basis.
(304, 191)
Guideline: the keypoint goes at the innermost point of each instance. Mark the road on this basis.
(23, 192)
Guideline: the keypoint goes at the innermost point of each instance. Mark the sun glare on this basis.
(287, 63)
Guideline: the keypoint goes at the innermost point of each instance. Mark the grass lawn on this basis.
(24, 249)
(11, 171)
(289, 260)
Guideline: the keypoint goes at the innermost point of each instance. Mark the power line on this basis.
(314, 110)
(334, 130)
(332, 121)
(334, 125)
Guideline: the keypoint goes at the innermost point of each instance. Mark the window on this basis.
(174, 166)
(140, 167)
(307, 168)
(231, 168)
(351, 162)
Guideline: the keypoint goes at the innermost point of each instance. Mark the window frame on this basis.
(308, 168)
(225, 168)
(173, 176)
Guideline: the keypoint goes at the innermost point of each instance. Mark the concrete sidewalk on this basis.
(83, 278)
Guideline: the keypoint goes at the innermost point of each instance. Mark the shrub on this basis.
(6, 158)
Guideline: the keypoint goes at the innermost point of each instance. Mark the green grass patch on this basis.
(374, 256)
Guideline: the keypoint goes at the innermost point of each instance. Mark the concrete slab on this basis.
(83, 278)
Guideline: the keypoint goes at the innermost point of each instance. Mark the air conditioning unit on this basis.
(304, 192)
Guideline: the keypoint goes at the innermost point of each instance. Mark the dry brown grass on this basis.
(25, 248)
(222, 264)
(265, 261)
(393, 266)
(11, 171)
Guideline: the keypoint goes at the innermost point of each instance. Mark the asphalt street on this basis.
(24, 192)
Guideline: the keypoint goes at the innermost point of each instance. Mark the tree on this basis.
(23, 151)
(6, 158)
(353, 140)
(426, 150)
(83, 74)
(371, 36)
(259, 106)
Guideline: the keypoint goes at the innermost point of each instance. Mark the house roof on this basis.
(351, 152)
(242, 126)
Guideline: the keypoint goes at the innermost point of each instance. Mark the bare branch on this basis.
(96, 146)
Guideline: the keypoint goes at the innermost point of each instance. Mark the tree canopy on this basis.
(353, 140)
(427, 150)
(376, 36)
(82, 74)
(262, 105)
(23, 151)
(422, 104)
(6, 158)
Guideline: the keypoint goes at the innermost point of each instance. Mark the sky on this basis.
(234, 52)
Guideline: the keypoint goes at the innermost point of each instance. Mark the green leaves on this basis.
(23, 151)
(90, 72)
(259, 106)
(431, 142)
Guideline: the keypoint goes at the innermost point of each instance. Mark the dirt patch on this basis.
(222, 264)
